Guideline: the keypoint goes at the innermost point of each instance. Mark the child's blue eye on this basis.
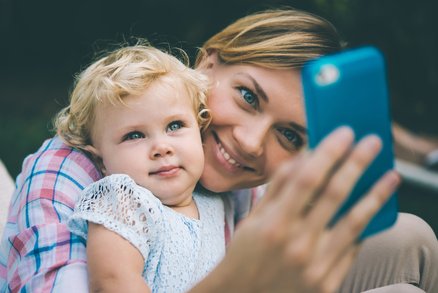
(133, 135)
(174, 126)
(249, 97)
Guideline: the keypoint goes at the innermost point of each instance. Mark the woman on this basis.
(258, 124)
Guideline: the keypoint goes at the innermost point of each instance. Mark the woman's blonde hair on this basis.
(126, 71)
(276, 39)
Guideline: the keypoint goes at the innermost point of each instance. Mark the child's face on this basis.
(155, 139)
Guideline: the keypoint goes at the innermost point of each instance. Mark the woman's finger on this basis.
(341, 184)
(361, 214)
(338, 272)
(282, 175)
(333, 244)
(320, 271)
(347, 230)
(301, 188)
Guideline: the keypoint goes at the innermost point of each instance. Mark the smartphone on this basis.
(350, 88)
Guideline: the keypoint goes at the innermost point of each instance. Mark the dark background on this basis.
(44, 43)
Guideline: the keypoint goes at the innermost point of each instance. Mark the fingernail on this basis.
(393, 179)
(374, 143)
(344, 133)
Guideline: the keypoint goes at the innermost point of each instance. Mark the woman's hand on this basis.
(284, 244)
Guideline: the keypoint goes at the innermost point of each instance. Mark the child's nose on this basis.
(160, 150)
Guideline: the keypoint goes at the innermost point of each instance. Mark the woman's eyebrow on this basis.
(298, 127)
(259, 91)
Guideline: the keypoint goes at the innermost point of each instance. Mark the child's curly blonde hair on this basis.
(126, 71)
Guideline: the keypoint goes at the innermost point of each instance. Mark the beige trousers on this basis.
(402, 259)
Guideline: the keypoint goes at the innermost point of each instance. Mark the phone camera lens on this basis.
(327, 74)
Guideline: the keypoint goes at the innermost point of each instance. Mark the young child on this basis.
(138, 112)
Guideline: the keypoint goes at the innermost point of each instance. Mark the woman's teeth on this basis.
(228, 157)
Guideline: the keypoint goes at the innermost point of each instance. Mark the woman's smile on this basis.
(229, 159)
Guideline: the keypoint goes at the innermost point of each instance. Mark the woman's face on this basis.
(258, 122)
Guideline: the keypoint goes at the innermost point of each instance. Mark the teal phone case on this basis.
(349, 88)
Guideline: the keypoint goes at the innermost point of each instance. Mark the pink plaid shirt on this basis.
(37, 251)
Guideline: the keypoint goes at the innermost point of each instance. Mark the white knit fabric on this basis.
(178, 250)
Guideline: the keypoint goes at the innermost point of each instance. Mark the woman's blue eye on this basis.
(292, 137)
(174, 126)
(249, 97)
(134, 135)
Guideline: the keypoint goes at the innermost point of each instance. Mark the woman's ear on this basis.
(209, 60)
(96, 156)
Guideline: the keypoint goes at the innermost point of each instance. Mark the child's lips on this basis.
(166, 171)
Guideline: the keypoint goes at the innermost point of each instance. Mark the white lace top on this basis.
(178, 250)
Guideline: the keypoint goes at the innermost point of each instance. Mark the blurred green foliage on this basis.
(44, 43)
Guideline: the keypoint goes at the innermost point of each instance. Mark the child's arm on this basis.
(114, 264)
(120, 224)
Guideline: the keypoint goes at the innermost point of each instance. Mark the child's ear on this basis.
(92, 150)
(97, 158)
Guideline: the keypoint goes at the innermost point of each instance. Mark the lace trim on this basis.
(116, 203)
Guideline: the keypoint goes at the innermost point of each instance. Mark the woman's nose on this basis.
(252, 137)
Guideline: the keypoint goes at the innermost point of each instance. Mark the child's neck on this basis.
(188, 209)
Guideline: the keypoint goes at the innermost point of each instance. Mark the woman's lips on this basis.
(226, 160)
(223, 161)
(227, 156)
